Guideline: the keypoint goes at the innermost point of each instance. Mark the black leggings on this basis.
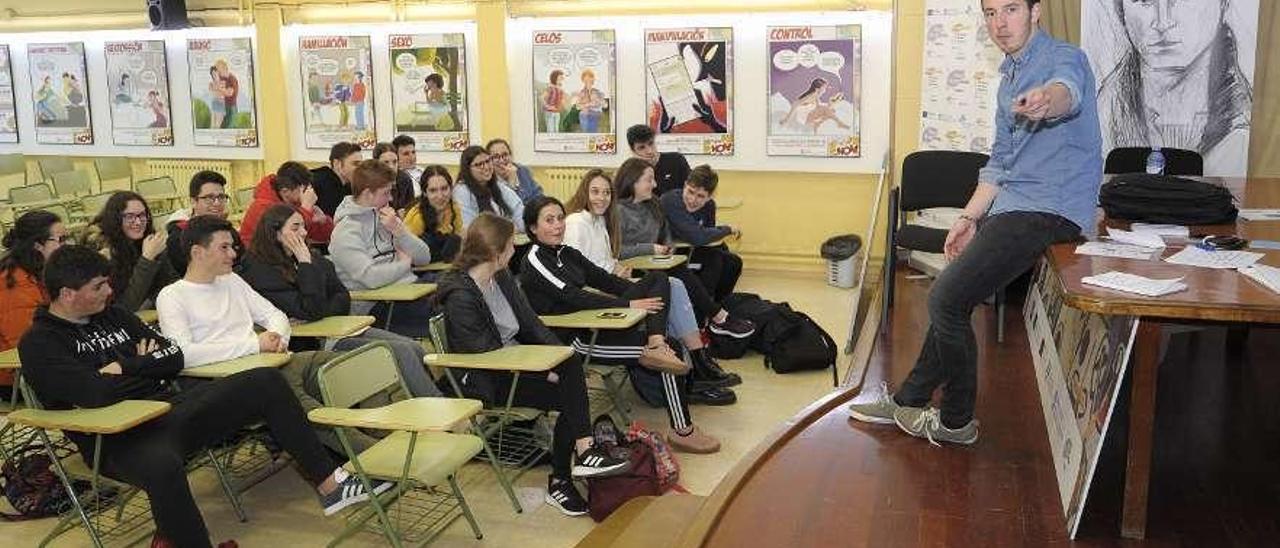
(568, 395)
(704, 306)
(719, 271)
(653, 284)
(622, 348)
(153, 456)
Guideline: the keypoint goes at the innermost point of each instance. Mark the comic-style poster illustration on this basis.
(59, 93)
(429, 89)
(574, 86)
(337, 91)
(222, 92)
(689, 78)
(8, 112)
(814, 91)
(138, 83)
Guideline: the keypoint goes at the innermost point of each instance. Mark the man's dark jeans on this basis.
(1005, 246)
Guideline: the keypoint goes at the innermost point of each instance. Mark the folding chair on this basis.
(160, 193)
(94, 203)
(72, 184)
(418, 455)
(614, 377)
(13, 172)
(53, 165)
(113, 170)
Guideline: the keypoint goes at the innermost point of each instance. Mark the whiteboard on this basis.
(99, 94)
(750, 88)
(383, 112)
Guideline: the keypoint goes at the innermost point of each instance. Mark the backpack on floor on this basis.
(745, 306)
(803, 346)
(604, 495)
(31, 486)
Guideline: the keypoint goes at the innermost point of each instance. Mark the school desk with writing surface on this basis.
(392, 294)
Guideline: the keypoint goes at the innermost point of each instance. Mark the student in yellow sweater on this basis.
(435, 217)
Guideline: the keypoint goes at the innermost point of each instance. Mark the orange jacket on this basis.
(19, 304)
(319, 225)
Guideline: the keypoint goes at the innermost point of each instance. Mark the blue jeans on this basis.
(680, 318)
(409, 356)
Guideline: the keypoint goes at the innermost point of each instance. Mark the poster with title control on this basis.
(815, 86)
(429, 90)
(223, 108)
(337, 95)
(59, 95)
(574, 75)
(138, 83)
(959, 80)
(8, 113)
(689, 82)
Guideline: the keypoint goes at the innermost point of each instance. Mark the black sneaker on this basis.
(712, 396)
(350, 491)
(563, 496)
(707, 373)
(732, 327)
(598, 463)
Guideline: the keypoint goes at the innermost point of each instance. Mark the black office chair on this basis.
(930, 178)
(1177, 161)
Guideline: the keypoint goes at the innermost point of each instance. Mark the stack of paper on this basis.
(1123, 251)
(1194, 256)
(1177, 231)
(1260, 214)
(1144, 239)
(1133, 283)
(1268, 276)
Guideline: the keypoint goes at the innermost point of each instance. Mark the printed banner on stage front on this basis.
(960, 78)
(8, 112)
(573, 87)
(815, 84)
(223, 107)
(1079, 359)
(337, 91)
(429, 89)
(689, 78)
(139, 93)
(59, 96)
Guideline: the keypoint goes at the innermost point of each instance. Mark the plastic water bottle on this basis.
(1155, 162)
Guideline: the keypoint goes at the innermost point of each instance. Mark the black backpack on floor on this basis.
(789, 340)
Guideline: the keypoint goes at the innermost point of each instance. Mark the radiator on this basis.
(181, 171)
(562, 182)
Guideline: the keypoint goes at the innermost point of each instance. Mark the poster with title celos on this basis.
(573, 87)
(223, 108)
(138, 83)
(960, 78)
(689, 81)
(337, 98)
(8, 112)
(429, 90)
(815, 88)
(59, 95)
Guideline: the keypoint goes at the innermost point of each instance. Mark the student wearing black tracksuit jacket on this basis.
(79, 353)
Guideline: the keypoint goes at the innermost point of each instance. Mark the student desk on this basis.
(227, 368)
(595, 320)
(521, 238)
(1211, 295)
(392, 294)
(652, 262)
(149, 317)
(523, 358)
(686, 245)
(9, 361)
(433, 267)
(727, 203)
(335, 327)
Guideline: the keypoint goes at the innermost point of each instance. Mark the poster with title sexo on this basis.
(8, 113)
(429, 90)
(959, 80)
(815, 87)
(337, 98)
(689, 81)
(573, 86)
(138, 80)
(222, 92)
(59, 93)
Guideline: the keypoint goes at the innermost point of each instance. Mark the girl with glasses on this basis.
(125, 235)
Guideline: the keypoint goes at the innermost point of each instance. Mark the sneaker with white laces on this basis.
(563, 496)
(350, 491)
(927, 423)
(877, 411)
(732, 327)
(596, 462)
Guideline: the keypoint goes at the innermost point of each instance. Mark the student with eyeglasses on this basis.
(125, 236)
(505, 169)
(34, 236)
(208, 191)
(478, 190)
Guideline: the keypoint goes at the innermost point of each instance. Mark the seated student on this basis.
(208, 190)
(691, 213)
(556, 279)
(478, 190)
(518, 177)
(435, 217)
(332, 183)
(35, 235)
(402, 193)
(670, 169)
(371, 247)
(125, 236)
(407, 156)
(289, 185)
(485, 310)
(281, 267)
(82, 353)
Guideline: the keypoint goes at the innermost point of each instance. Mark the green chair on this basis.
(53, 165)
(418, 454)
(244, 197)
(13, 172)
(31, 195)
(94, 203)
(160, 192)
(72, 185)
(113, 173)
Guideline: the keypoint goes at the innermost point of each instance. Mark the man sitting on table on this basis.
(691, 212)
(208, 190)
(371, 248)
(81, 353)
(1039, 188)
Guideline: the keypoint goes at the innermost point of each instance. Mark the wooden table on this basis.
(336, 327)
(392, 294)
(1211, 295)
(227, 368)
(654, 262)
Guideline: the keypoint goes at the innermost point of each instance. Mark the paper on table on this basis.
(1106, 249)
(1260, 214)
(1162, 230)
(1144, 239)
(1133, 283)
(1268, 276)
(1194, 256)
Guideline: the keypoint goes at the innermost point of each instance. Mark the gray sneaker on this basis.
(927, 423)
(877, 411)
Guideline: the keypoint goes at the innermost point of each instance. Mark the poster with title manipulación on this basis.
(59, 95)
(689, 82)
(223, 107)
(138, 80)
(959, 80)
(574, 75)
(337, 98)
(429, 90)
(8, 112)
(815, 89)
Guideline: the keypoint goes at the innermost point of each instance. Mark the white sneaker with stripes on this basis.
(597, 463)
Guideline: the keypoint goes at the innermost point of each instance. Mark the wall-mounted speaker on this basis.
(167, 14)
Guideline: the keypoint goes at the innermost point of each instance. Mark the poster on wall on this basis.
(429, 90)
(1079, 360)
(58, 93)
(8, 113)
(1175, 75)
(959, 80)
(689, 78)
(138, 79)
(573, 87)
(223, 108)
(337, 91)
(815, 84)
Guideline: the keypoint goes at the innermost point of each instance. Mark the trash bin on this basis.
(842, 254)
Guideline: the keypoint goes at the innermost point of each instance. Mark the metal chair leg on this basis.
(466, 509)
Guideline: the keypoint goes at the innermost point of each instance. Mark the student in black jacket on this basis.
(208, 191)
(485, 310)
(691, 212)
(332, 183)
(79, 353)
(303, 284)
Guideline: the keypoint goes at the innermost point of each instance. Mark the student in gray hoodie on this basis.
(371, 247)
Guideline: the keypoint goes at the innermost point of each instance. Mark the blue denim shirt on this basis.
(1052, 166)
